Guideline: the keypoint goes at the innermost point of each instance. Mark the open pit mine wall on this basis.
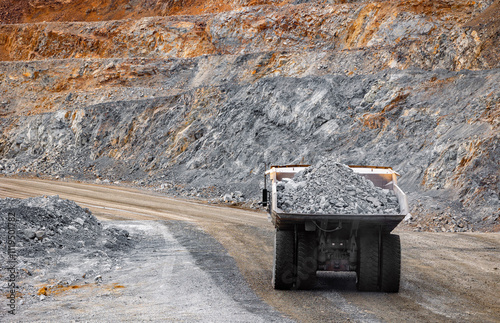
(207, 100)
(427, 34)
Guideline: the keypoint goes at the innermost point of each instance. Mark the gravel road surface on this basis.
(195, 262)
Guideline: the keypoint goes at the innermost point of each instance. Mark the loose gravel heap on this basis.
(334, 188)
(50, 227)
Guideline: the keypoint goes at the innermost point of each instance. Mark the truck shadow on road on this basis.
(336, 281)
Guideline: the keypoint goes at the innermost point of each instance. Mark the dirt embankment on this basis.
(45, 235)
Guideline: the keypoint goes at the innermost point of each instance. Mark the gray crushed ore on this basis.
(334, 188)
(47, 228)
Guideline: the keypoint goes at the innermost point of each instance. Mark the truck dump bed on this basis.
(383, 177)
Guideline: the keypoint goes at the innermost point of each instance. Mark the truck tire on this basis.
(390, 263)
(368, 262)
(307, 260)
(283, 263)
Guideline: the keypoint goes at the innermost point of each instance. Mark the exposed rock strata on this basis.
(203, 101)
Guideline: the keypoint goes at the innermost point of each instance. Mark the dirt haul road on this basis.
(200, 262)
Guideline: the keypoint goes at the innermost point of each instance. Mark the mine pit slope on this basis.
(193, 97)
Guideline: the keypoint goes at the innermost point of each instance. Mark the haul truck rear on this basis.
(307, 243)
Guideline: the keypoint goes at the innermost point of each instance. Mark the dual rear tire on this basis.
(368, 262)
(283, 262)
(390, 274)
(295, 260)
(307, 261)
(379, 263)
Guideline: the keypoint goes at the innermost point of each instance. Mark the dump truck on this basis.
(361, 243)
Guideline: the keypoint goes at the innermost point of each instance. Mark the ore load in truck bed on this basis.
(329, 187)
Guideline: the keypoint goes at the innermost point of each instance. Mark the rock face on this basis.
(332, 188)
(204, 100)
(29, 11)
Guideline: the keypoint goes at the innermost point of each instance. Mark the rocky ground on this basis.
(70, 266)
(193, 99)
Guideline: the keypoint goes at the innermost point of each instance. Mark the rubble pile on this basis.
(334, 188)
(441, 220)
(51, 227)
